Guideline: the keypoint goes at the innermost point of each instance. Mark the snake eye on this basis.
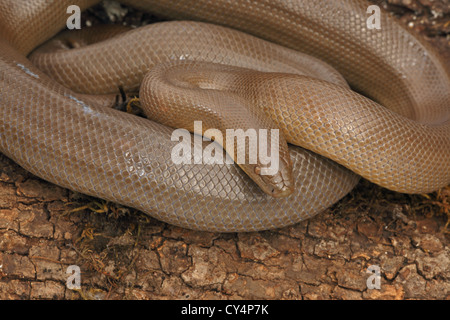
(258, 170)
(72, 43)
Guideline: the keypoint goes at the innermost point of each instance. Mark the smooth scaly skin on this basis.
(54, 134)
(311, 113)
(74, 69)
(389, 65)
(48, 130)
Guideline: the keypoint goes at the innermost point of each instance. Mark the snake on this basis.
(351, 100)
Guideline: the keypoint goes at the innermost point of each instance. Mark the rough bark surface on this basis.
(124, 254)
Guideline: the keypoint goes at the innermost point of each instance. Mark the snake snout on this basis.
(278, 185)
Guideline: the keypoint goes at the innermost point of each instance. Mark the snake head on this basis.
(277, 184)
(275, 175)
(272, 170)
(280, 184)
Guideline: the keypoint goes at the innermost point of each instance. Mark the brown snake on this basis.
(70, 140)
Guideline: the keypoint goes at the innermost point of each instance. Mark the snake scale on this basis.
(54, 128)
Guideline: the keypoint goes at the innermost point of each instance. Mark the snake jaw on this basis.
(279, 185)
(284, 188)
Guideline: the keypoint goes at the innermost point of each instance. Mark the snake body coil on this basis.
(67, 138)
